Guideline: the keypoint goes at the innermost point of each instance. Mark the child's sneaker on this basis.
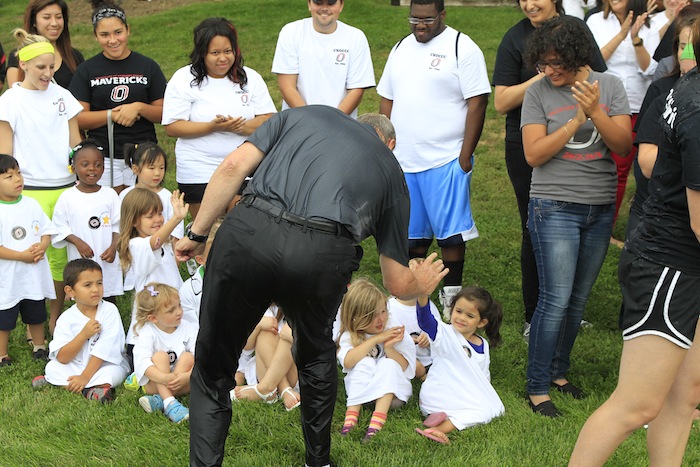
(39, 382)
(100, 394)
(152, 403)
(132, 383)
(177, 412)
(41, 354)
(6, 361)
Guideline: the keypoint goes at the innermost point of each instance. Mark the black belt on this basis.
(265, 206)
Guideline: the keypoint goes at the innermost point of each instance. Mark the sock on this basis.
(454, 277)
(39, 347)
(167, 401)
(376, 423)
(351, 417)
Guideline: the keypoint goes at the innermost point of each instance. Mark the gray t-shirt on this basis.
(583, 171)
(321, 164)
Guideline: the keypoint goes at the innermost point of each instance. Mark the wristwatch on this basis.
(638, 43)
(193, 236)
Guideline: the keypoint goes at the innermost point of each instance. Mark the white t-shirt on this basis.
(459, 383)
(151, 340)
(41, 139)
(93, 218)
(150, 265)
(107, 345)
(22, 224)
(405, 315)
(327, 64)
(429, 91)
(623, 62)
(197, 158)
(191, 297)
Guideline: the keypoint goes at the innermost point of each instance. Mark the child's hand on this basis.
(179, 382)
(392, 336)
(422, 340)
(109, 254)
(38, 250)
(77, 383)
(90, 329)
(83, 248)
(180, 208)
(268, 324)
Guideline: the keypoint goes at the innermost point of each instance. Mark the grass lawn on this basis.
(53, 427)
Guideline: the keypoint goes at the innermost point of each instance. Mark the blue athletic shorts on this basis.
(440, 204)
(32, 311)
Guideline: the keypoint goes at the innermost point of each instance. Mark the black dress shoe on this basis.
(546, 408)
(569, 389)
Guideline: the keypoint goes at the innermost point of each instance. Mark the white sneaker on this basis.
(446, 295)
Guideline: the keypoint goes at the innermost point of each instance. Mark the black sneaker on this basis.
(6, 361)
(40, 354)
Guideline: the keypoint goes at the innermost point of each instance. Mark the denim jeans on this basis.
(570, 242)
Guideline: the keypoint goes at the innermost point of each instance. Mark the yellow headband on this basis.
(34, 50)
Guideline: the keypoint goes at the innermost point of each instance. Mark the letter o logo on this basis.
(120, 93)
(340, 57)
(435, 62)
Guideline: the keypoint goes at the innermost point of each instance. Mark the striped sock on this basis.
(378, 421)
(351, 417)
(375, 424)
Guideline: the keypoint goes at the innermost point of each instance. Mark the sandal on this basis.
(546, 408)
(569, 389)
(269, 398)
(290, 391)
(434, 419)
(435, 435)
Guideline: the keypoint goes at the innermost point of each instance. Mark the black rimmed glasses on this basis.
(555, 65)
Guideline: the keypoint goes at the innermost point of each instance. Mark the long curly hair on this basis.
(203, 34)
(562, 36)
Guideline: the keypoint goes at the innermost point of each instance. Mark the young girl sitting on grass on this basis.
(164, 351)
(149, 163)
(271, 372)
(144, 243)
(378, 358)
(87, 350)
(457, 392)
(87, 217)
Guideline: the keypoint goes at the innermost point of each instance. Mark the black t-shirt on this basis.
(62, 76)
(664, 235)
(648, 130)
(106, 84)
(665, 47)
(321, 164)
(510, 68)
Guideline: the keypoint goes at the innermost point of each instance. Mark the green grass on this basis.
(52, 427)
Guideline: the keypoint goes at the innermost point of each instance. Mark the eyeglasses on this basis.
(554, 65)
(426, 21)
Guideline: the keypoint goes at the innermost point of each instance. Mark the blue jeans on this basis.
(570, 242)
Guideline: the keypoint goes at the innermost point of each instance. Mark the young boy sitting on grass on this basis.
(87, 350)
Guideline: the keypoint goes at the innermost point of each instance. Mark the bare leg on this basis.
(37, 333)
(162, 361)
(668, 433)
(4, 341)
(383, 403)
(641, 390)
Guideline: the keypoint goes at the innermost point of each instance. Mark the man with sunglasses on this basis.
(321, 60)
(435, 90)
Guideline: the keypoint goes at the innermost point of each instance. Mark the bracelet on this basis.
(566, 129)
